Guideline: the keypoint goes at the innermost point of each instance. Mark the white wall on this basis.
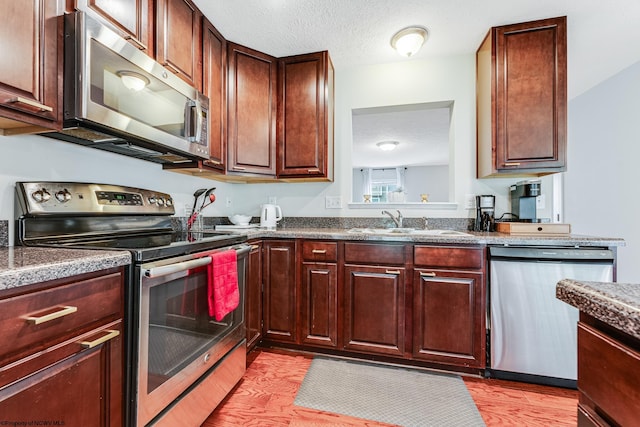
(603, 176)
(32, 157)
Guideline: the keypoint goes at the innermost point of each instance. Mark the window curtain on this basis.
(366, 180)
(400, 178)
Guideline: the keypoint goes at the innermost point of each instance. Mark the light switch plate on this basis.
(469, 201)
(333, 202)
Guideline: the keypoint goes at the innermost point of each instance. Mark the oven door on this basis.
(178, 340)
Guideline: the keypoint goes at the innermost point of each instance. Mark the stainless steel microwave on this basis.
(116, 98)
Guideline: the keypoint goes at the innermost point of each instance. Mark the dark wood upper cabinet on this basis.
(31, 65)
(305, 116)
(522, 99)
(179, 39)
(214, 84)
(128, 17)
(251, 132)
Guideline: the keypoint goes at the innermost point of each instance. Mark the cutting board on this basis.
(533, 229)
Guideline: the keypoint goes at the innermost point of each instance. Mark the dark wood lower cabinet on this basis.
(374, 309)
(280, 298)
(608, 375)
(253, 296)
(447, 317)
(70, 385)
(319, 304)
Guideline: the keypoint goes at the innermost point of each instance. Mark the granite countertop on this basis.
(617, 304)
(20, 266)
(482, 238)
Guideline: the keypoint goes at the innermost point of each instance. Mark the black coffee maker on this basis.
(523, 200)
(485, 213)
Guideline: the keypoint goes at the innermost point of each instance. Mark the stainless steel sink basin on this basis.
(408, 231)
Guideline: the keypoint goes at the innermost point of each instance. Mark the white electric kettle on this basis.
(270, 215)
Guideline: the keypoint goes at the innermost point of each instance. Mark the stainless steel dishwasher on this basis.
(533, 334)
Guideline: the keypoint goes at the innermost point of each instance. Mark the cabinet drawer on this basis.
(609, 374)
(449, 257)
(31, 322)
(371, 253)
(320, 251)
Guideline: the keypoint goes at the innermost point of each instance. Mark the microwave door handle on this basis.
(199, 121)
(177, 267)
(189, 131)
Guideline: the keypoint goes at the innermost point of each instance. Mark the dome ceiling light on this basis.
(408, 41)
(387, 145)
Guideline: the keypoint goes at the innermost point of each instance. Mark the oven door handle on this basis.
(177, 267)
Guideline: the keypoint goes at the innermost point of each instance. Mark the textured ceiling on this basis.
(603, 36)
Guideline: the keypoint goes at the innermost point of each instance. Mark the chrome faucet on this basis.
(397, 220)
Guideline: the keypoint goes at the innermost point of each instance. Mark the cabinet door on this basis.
(319, 304)
(129, 17)
(214, 83)
(79, 388)
(305, 116)
(374, 309)
(522, 99)
(252, 111)
(178, 39)
(280, 292)
(31, 63)
(253, 301)
(448, 317)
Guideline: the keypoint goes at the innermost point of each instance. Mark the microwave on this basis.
(118, 99)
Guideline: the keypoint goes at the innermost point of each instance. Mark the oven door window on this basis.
(179, 329)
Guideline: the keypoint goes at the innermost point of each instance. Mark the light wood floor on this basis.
(264, 397)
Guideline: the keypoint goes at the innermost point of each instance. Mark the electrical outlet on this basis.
(272, 200)
(540, 202)
(333, 202)
(469, 201)
(228, 202)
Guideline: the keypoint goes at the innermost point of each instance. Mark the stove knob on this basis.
(152, 200)
(63, 196)
(160, 201)
(169, 203)
(40, 196)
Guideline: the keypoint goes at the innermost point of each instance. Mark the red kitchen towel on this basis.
(223, 294)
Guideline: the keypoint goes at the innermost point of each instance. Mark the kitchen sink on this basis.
(408, 231)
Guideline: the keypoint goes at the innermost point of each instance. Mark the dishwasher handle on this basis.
(559, 254)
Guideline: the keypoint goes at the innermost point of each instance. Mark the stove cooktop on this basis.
(149, 247)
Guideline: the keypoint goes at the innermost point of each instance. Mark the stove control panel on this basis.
(50, 198)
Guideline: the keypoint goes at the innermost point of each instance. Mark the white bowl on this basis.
(239, 219)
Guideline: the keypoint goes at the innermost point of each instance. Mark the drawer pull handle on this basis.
(254, 247)
(512, 164)
(90, 344)
(37, 320)
(136, 42)
(314, 170)
(397, 272)
(319, 251)
(212, 162)
(238, 168)
(423, 274)
(30, 103)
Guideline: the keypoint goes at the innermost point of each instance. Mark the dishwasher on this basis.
(533, 335)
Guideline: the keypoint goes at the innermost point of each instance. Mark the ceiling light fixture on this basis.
(408, 41)
(387, 145)
(132, 80)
